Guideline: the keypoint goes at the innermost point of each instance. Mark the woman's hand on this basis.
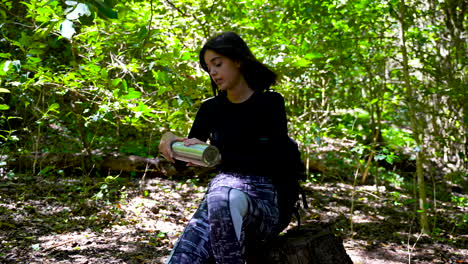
(192, 141)
(165, 145)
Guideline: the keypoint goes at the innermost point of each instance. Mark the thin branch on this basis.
(176, 8)
(352, 199)
(191, 15)
(145, 40)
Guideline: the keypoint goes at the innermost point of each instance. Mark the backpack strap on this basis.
(297, 206)
(297, 215)
(304, 200)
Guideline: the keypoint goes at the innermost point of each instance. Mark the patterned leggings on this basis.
(210, 235)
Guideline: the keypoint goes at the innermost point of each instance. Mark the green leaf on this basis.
(104, 73)
(36, 247)
(302, 62)
(116, 82)
(110, 3)
(389, 159)
(16, 65)
(132, 94)
(66, 29)
(409, 201)
(79, 11)
(105, 10)
(99, 195)
(380, 157)
(142, 33)
(87, 20)
(3, 90)
(124, 85)
(4, 107)
(318, 140)
(71, 3)
(162, 89)
(50, 1)
(53, 107)
(313, 55)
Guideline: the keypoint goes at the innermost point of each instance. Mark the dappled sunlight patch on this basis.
(163, 207)
(375, 252)
(372, 188)
(360, 218)
(328, 144)
(50, 208)
(53, 241)
(334, 208)
(387, 252)
(113, 244)
(146, 214)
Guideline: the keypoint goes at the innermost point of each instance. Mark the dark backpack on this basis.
(289, 187)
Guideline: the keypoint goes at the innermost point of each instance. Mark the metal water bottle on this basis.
(201, 154)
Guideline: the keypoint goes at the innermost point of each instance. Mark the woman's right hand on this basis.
(165, 145)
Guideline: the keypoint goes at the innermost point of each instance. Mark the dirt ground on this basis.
(57, 220)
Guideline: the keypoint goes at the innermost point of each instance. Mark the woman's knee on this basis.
(228, 205)
(238, 202)
(228, 198)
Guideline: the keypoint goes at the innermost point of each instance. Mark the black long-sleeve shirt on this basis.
(251, 135)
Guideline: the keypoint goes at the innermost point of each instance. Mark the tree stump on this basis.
(310, 244)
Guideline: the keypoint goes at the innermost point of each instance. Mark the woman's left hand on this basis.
(192, 141)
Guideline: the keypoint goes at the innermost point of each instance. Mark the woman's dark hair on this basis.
(258, 76)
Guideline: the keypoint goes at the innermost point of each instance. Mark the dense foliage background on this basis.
(375, 90)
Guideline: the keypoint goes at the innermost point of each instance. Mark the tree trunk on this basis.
(417, 134)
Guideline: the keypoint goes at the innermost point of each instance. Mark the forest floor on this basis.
(58, 219)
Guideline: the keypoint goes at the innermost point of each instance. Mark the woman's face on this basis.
(224, 71)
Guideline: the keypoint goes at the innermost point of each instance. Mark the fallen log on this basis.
(97, 161)
(309, 244)
(109, 162)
